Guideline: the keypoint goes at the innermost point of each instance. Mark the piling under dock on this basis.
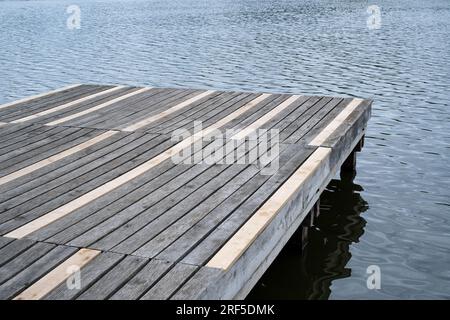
(93, 205)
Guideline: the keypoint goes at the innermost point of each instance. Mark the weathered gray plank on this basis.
(154, 107)
(272, 102)
(13, 249)
(175, 228)
(17, 113)
(142, 212)
(82, 173)
(115, 201)
(142, 281)
(4, 241)
(113, 109)
(68, 192)
(54, 170)
(308, 123)
(205, 249)
(30, 105)
(89, 274)
(46, 151)
(214, 113)
(142, 225)
(199, 284)
(9, 130)
(21, 150)
(175, 278)
(201, 228)
(34, 272)
(84, 105)
(114, 279)
(195, 111)
(22, 261)
(22, 138)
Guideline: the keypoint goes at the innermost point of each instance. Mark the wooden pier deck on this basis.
(88, 183)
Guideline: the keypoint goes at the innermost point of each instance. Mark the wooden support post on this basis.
(308, 223)
(304, 238)
(316, 209)
(360, 145)
(349, 164)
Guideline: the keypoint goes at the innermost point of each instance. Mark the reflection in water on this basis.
(308, 274)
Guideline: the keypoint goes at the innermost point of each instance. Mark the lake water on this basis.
(395, 214)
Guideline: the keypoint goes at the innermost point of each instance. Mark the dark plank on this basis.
(34, 272)
(177, 224)
(142, 281)
(89, 274)
(61, 99)
(22, 138)
(144, 219)
(164, 102)
(112, 281)
(84, 105)
(114, 108)
(35, 142)
(38, 154)
(201, 226)
(175, 278)
(115, 201)
(212, 243)
(45, 100)
(140, 213)
(13, 249)
(58, 168)
(198, 285)
(69, 191)
(302, 127)
(22, 261)
(214, 113)
(82, 173)
(4, 241)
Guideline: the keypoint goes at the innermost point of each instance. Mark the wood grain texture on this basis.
(97, 188)
(96, 108)
(64, 106)
(6, 105)
(40, 164)
(47, 283)
(167, 112)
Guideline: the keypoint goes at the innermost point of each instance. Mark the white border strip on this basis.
(100, 106)
(335, 123)
(124, 178)
(165, 113)
(258, 123)
(66, 105)
(245, 236)
(38, 96)
(55, 277)
(56, 157)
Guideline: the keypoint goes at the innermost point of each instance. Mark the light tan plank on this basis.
(167, 112)
(38, 96)
(258, 123)
(128, 176)
(66, 105)
(237, 245)
(56, 157)
(100, 106)
(55, 277)
(335, 123)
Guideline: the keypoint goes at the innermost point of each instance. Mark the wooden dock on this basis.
(92, 205)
